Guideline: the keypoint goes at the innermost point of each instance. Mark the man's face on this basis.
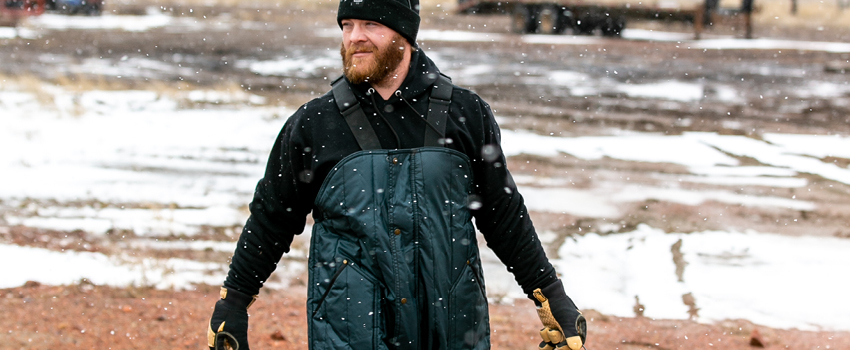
(370, 51)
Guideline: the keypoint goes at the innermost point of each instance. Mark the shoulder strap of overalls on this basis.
(354, 116)
(438, 110)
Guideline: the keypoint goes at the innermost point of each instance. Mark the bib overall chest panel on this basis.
(394, 261)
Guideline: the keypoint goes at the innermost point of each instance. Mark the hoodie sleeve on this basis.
(503, 218)
(278, 211)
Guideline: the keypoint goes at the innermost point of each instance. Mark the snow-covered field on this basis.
(198, 166)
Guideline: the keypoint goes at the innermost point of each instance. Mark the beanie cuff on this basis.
(390, 13)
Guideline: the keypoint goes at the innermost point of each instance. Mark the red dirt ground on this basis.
(95, 317)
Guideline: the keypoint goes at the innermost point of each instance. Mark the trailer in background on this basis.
(603, 17)
(11, 11)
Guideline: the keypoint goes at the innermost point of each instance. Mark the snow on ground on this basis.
(670, 90)
(127, 67)
(696, 150)
(301, 67)
(786, 155)
(139, 147)
(11, 33)
(69, 267)
(185, 168)
(455, 65)
(712, 42)
(192, 167)
(654, 35)
(765, 278)
(769, 44)
(178, 221)
(604, 201)
(153, 19)
(778, 273)
(57, 268)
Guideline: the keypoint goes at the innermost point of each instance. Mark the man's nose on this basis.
(357, 34)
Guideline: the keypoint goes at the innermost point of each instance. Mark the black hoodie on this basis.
(316, 137)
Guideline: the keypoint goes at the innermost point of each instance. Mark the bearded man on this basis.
(393, 163)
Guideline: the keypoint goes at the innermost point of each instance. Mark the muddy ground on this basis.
(91, 317)
(87, 316)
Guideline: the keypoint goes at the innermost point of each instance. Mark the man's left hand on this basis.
(564, 325)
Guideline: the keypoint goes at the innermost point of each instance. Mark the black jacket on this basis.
(315, 138)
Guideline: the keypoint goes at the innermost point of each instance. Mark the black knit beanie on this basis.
(401, 16)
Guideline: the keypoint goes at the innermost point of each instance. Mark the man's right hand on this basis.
(228, 327)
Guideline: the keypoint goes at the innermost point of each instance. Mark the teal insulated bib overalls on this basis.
(394, 261)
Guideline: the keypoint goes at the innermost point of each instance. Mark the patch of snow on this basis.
(153, 222)
(669, 90)
(131, 147)
(69, 267)
(302, 67)
(456, 36)
(17, 32)
(730, 274)
(778, 182)
(634, 193)
(563, 39)
(743, 171)
(118, 102)
(604, 200)
(153, 19)
(769, 44)
(694, 150)
(817, 146)
(564, 200)
(822, 89)
(727, 94)
(213, 96)
(680, 149)
(654, 35)
(127, 67)
(216, 246)
(779, 155)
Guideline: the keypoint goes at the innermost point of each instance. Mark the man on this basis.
(393, 163)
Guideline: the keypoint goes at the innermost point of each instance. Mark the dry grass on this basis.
(29, 84)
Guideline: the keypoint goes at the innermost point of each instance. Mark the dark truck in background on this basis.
(72, 7)
(589, 17)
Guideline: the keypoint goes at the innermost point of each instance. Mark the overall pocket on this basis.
(348, 313)
(469, 326)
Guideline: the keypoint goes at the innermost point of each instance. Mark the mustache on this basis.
(360, 49)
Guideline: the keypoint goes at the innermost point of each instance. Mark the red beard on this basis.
(371, 69)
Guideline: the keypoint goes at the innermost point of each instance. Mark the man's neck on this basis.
(392, 82)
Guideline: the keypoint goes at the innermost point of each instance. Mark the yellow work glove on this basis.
(564, 327)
